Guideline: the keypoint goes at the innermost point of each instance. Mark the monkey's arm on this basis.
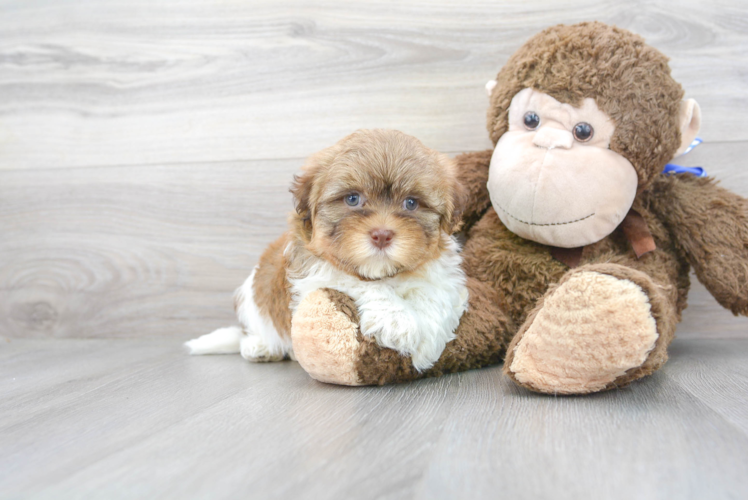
(710, 225)
(472, 172)
(329, 345)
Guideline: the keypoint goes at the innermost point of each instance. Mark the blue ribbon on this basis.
(677, 169)
(693, 144)
(672, 168)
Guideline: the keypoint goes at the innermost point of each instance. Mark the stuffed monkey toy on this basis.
(578, 247)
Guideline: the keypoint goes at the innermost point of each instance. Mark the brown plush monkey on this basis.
(578, 248)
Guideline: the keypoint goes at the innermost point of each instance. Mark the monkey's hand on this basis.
(710, 225)
(472, 172)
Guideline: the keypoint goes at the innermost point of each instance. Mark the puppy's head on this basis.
(376, 203)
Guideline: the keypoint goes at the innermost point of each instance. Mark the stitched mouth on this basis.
(548, 224)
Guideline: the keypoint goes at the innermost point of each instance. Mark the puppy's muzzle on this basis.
(381, 238)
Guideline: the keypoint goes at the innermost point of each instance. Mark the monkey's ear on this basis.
(689, 123)
(490, 85)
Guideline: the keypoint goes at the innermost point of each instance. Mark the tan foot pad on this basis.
(590, 331)
(325, 338)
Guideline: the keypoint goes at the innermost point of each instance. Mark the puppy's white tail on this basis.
(221, 341)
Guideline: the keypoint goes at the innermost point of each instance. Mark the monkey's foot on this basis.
(593, 332)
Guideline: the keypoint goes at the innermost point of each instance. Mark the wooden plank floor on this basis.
(97, 418)
(146, 149)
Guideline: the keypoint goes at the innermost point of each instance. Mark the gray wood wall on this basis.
(146, 148)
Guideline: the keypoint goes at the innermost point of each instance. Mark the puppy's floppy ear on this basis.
(452, 219)
(302, 195)
(301, 189)
(303, 184)
(452, 222)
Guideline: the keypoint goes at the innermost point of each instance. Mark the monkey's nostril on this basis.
(382, 238)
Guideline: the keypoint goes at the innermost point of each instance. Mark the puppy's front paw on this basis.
(391, 326)
(400, 330)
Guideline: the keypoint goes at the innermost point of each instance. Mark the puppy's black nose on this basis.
(382, 237)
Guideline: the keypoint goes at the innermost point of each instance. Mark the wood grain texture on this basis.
(133, 251)
(139, 419)
(146, 251)
(120, 82)
(146, 149)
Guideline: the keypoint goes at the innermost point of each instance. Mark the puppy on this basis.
(374, 219)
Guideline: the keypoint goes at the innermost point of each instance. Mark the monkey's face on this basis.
(553, 178)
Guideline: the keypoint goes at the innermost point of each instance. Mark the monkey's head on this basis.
(583, 118)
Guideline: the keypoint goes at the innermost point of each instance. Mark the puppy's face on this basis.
(376, 203)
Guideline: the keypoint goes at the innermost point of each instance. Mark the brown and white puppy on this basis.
(374, 219)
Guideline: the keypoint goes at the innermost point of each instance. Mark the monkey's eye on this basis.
(410, 204)
(583, 132)
(353, 199)
(532, 120)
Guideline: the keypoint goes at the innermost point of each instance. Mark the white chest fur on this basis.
(415, 315)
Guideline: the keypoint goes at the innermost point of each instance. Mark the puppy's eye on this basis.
(583, 132)
(410, 204)
(353, 199)
(532, 120)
